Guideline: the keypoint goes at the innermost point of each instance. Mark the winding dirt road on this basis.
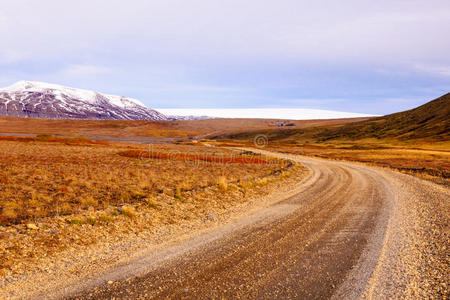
(348, 234)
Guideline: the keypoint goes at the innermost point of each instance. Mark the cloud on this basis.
(232, 30)
(11, 56)
(84, 70)
(434, 70)
(232, 53)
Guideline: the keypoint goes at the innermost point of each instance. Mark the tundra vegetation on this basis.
(56, 193)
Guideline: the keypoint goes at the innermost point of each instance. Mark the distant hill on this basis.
(430, 121)
(45, 100)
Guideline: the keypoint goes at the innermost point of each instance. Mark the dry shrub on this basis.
(91, 220)
(128, 211)
(151, 203)
(222, 182)
(88, 201)
(77, 221)
(178, 195)
(9, 213)
(137, 196)
(104, 218)
(66, 209)
(186, 186)
(263, 181)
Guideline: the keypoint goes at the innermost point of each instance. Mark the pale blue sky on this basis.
(359, 56)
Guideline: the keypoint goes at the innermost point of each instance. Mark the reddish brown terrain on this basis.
(133, 129)
(87, 215)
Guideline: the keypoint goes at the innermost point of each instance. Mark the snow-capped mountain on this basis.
(45, 100)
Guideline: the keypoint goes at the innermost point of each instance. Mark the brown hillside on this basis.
(429, 121)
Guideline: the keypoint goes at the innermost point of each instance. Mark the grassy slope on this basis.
(429, 122)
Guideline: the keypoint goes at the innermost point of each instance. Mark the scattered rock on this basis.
(212, 217)
(110, 282)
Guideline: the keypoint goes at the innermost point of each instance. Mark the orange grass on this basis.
(52, 139)
(178, 156)
(434, 164)
(44, 177)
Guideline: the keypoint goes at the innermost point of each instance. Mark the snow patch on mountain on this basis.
(47, 100)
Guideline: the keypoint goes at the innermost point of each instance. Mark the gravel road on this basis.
(352, 232)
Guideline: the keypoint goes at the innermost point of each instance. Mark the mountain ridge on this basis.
(53, 101)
